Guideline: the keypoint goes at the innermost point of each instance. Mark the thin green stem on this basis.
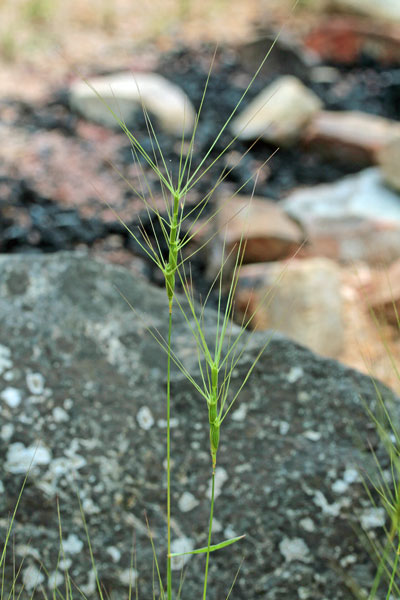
(209, 533)
(170, 285)
(394, 571)
(169, 576)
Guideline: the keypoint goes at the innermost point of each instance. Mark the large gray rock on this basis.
(84, 383)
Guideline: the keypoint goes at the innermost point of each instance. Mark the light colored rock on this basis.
(355, 218)
(268, 231)
(126, 93)
(350, 135)
(379, 9)
(383, 293)
(300, 298)
(389, 162)
(279, 113)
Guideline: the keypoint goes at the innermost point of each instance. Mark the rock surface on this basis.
(126, 94)
(268, 232)
(287, 57)
(83, 385)
(300, 298)
(346, 38)
(279, 113)
(383, 296)
(356, 218)
(350, 135)
(389, 161)
(389, 9)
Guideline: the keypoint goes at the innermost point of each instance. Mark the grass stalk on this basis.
(216, 359)
(169, 573)
(170, 271)
(209, 533)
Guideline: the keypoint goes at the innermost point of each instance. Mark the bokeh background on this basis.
(56, 180)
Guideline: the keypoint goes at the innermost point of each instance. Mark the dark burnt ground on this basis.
(33, 220)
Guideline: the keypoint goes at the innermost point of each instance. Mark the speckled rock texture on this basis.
(82, 381)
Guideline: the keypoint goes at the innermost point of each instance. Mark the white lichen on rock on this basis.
(182, 544)
(294, 549)
(59, 414)
(240, 413)
(35, 383)
(25, 550)
(128, 577)
(55, 580)
(162, 423)
(284, 427)
(221, 476)
(187, 502)
(307, 524)
(72, 545)
(313, 436)
(340, 486)
(20, 459)
(373, 517)
(32, 578)
(114, 553)
(145, 418)
(294, 374)
(329, 509)
(11, 396)
(90, 588)
(351, 475)
(89, 507)
(5, 359)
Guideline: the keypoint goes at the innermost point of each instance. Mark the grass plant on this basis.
(216, 364)
(383, 485)
(217, 358)
(216, 361)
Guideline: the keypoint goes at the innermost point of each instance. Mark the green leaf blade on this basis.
(211, 548)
